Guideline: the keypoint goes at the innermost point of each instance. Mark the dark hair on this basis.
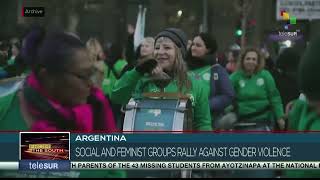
(52, 51)
(261, 61)
(209, 41)
(115, 53)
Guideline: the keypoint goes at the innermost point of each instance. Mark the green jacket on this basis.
(256, 93)
(203, 74)
(109, 76)
(131, 83)
(302, 118)
(12, 119)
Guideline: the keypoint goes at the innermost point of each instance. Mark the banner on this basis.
(140, 26)
(301, 9)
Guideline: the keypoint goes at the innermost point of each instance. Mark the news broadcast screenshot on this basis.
(159, 89)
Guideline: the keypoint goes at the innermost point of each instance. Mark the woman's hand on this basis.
(157, 71)
(160, 78)
(281, 123)
(159, 74)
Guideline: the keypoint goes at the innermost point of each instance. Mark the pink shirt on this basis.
(81, 114)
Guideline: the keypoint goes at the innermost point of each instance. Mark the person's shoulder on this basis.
(190, 76)
(217, 65)
(299, 104)
(265, 73)
(219, 69)
(298, 107)
(120, 64)
(197, 86)
(236, 74)
(194, 81)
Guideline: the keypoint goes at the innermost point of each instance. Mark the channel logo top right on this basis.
(291, 20)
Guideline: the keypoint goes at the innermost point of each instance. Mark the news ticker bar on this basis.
(194, 165)
(168, 165)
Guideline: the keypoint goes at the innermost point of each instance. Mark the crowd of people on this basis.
(69, 84)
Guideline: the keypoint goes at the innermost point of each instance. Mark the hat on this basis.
(177, 36)
(309, 71)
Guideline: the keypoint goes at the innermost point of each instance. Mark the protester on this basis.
(258, 103)
(258, 99)
(305, 115)
(203, 66)
(58, 95)
(170, 51)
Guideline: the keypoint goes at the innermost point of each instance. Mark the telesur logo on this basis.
(291, 20)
